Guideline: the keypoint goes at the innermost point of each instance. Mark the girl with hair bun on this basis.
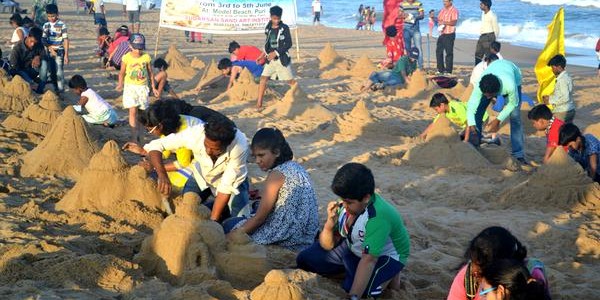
(287, 213)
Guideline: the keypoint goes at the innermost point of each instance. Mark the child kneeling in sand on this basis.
(363, 236)
(161, 78)
(98, 110)
(584, 149)
(542, 119)
(400, 75)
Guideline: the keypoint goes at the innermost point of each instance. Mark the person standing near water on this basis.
(489, 30)
(317, 9)
(447, 26)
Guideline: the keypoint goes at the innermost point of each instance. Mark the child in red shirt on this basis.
(542, 119)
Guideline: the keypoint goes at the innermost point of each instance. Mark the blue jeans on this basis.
(517, 139)
(412, 38)
(234, 206)
(55, 66)
(388, 78)
(340, 259)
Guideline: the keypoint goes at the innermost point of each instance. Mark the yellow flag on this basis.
(555, 44)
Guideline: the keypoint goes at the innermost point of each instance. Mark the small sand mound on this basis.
(197, 63)
(179, 66)
(188, 249)
(211, 72)
(37, 118)
(244, 88)
(329, 58)
(131, 196)
(296, 105)
(457, 92)
(560, 184)
(65, 151)
(443, 148)
(466, 94)
(416, 85)
(593, 130)
(296, 284)
(277, 286)
(354, 122)
(15, 95)
(363, 67)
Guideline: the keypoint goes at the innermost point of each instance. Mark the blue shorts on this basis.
(100, 19)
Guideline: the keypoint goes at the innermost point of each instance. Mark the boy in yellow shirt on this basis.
(136, 73)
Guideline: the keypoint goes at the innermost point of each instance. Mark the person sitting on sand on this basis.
(510, 279)
(562, 97)
(118, 48)
(220, 154)
(161, 78)
(234, 69)
(400, 75)
(542, 119)
(491, 244)
(26, 58)
(456, 112)
(278, 43)
(363, 236)
(583, 148)
(287, 212)
(99, 112)
(20, 32)
(245, 52)
(161, 119)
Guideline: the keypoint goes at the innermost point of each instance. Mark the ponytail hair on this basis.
(515, 278)
(273, 140)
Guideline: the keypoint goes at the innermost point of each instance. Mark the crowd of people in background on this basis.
(366, 16)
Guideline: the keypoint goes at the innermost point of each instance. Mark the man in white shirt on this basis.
(131, 10)
(317, 8)
(489, 30)
(219, 166)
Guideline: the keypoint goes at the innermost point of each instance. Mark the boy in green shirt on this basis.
(399, 75)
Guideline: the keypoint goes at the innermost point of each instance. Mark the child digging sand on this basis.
(98, 111)
(135, 73)
(542, 119)
(161, 79)
(583, 148)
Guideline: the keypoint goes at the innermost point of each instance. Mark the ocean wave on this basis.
(580, 3)
(527, 33)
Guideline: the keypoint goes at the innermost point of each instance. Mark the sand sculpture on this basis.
(15, 94)
(188, 249)
(277, 286)
(354, 123)
(329, 58)
(443, 148)
(416, 85)
(363, 67)
(559, 184)
(244, 88)
(210, 73)
(466, 94)
(296, 105)
(197, 63)
(179, 66)
(65, 151)
(131, 195)
(37, 118)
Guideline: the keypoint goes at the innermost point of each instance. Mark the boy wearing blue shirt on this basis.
(56, 41)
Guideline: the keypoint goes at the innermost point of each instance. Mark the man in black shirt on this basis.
(25, 58)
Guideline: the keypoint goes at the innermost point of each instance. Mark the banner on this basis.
(224, 16)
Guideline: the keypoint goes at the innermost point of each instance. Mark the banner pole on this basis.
(156, 43)
(428, 52)
(297, 45)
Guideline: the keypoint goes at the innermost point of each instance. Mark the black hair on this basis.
(27, 20)
(77, 82)
(233, 46)
(515, 278)
(276, 11)
(494, 243)
(437, 100)
(103, 31)
(391, 31)
(496, 46)
(161, 112)
(160, 63)
(220, 129)
(273, 140)
(52, 9)
(36, 33)
(487, 3)
(224, 64)
(489, 84)
(432, 10)
(353, 181)
(541, 111)
(569, 132)
(17, 19)
(490, 57)
(558, 60)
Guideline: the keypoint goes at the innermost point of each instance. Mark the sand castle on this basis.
(109, 186)
(188, 249)
(363, 67)
(443, 148)
(353, 123)
(244, 88)
(179, 66)
(15, 94)
(37, 118)
(277, 286)
(416, 85)
(197, 63)
(65, 151)
(328, 58)
(210, 73)
(297, 106)
(561, 184)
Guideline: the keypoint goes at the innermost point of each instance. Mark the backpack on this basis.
(445, 82)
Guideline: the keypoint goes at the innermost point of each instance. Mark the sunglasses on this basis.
(487, 291)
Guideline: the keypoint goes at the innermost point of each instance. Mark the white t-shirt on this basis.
(477, 71)
(316, 5)
(95, 106)
(131, 5)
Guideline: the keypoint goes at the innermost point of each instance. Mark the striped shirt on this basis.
(415, 9)
(448, 15)
(54, 34)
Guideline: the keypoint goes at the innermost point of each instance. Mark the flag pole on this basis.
(297, 45)
(156, 43)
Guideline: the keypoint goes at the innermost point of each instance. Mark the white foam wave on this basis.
(580, 3)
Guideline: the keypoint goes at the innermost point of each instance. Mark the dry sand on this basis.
(89, 233)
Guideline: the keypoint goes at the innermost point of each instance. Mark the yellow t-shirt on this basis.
(184, 155)
(136, 71)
